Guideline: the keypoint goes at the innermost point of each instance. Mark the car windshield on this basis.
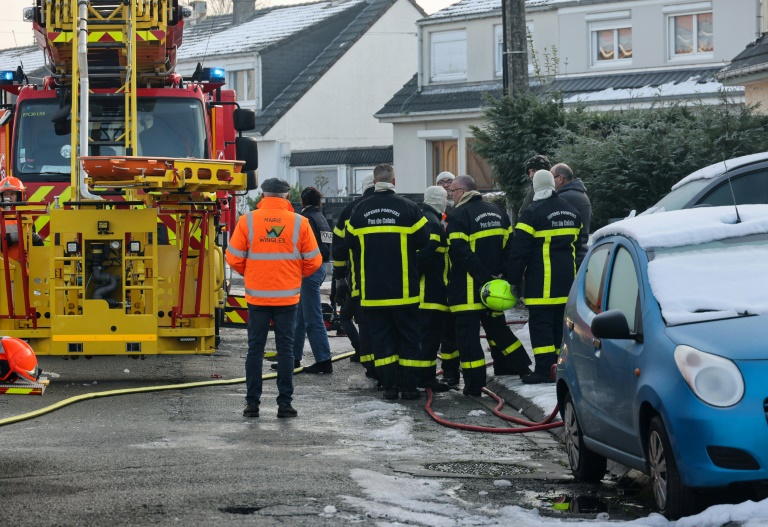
(679, 197)
(710, 281)
(167, 127)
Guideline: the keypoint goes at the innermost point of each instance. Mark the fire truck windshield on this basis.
(166, 127)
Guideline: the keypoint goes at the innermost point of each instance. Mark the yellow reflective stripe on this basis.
(339, 263)
(435, 237)
(547, 285)
(525, 227)
(436, 307)
(544, 349)
(441, 250)
(511, 348)
(339, 232)
(410, 363)
(556, 232)
(545, 301)
(404, 264)
(457, 236)
(467, 307)
(389, 302)
(473, 364)
(449, 356)
(389, 360)
(488, 233)
(491, 343)
(389, 229)
(366, 358)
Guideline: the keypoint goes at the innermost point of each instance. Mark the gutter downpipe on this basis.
(419, 74)
(82, 56)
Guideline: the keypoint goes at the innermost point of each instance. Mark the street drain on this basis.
(240, 510)
(479, 468)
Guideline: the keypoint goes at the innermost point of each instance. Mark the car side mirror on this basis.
(244, 119)
(246, 150)
(611, 324)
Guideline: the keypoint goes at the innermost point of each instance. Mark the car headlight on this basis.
(714, 380)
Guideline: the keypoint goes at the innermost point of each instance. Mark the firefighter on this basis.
(12, 190)
(273, 248)
(346, 297)
(386, 231)
(543, 252)
(478, 234)
(434, 315)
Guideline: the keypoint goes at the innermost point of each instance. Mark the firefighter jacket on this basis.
(321, 230)
(273, 248)
(12, 239)
(543, 251)
(478, 235)
(433, 264)
(386, 231)
(342, 267)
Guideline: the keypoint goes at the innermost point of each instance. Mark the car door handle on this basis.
(597, 343)
(569, 323)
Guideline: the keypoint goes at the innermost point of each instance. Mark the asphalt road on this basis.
(188, 457)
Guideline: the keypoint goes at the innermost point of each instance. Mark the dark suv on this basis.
(709, 186)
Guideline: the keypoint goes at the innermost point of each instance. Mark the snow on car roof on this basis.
(689, 226)
(707, 283)
(716, 169)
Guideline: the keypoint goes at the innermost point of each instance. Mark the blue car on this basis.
(664, 362)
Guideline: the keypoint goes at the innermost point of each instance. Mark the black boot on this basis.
(436, 386)
(324, 366)
(296, 365)
(543, 372)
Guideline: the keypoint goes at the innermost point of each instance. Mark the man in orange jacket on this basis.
(273, 248)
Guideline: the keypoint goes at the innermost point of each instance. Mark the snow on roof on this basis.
(689, 226)
(466, 8)
(671, 89)
(714, 170)
(217, 35)
(30, 57)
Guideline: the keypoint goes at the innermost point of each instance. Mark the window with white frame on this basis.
(448, 55)
(244, 84)
(691, 34)
(611, 42)
(499, 39)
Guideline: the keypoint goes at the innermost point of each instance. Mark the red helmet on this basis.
(17, 360)
(14, 184)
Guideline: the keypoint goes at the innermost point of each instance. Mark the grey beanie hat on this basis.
(543, 184)
(436, 197)
(444, 175)
(367, 182)
(275, 185)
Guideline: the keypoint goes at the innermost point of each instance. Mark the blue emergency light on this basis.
(215, 74)
(7, 76)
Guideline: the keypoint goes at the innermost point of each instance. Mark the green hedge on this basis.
(628, 159)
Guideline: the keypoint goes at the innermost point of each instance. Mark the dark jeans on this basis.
(283, 319)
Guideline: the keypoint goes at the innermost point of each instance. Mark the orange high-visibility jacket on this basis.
(273, 248)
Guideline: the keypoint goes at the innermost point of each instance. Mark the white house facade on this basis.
(609, 54)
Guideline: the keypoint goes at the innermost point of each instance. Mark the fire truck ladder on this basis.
(126, 41)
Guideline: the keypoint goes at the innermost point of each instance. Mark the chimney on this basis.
(243, 10)
(199, 10)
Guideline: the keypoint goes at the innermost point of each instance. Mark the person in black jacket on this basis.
(309, 321)
(434, 315)
(574, 192)
(478, 235)
(385, 232)
(348, 299)
(543, 251)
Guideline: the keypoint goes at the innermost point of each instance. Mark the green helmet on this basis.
(497, 295)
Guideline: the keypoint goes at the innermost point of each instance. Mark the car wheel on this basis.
(673, 499)
(585, 464)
